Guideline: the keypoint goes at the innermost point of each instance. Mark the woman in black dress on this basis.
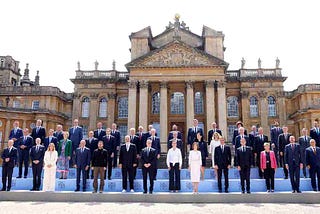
(203, 148)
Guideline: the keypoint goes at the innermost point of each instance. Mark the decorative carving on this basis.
(262, 94)
(78, 64)
(243, 63)
(144, 84)
(221, 84)
(244, 94)
(189, 84)
(163, 84)
(259, 63)
(209, 83)
(94, 95)
(177, 24)
(132, 84)
(112, 95)
(277, 62)
(76, 95)
(96, 64)
(280, 94)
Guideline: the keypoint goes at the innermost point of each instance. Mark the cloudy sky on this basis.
(53, 35)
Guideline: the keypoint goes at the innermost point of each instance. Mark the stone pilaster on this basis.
(264, 111)
(93, 112)
(7, 130)
(245, 106)
(189, 104)
(163, 112)
(210, 104)
(111, 108)
(281, 107)
(222, 108)
(132, 105)
(143, 104)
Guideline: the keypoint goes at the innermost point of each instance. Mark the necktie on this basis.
(148, 150)
(292, 147)
(50, 138)
(37, 129)
(98, 131)
(37, 148)
(81, 150)
(314, 151)
(24, 139)
(222, 148)
(15, 131)
(244, 149)
(305, 138)
(140, 136)
(9, 149)
(74, 129)
(261, 137)
(128, 146)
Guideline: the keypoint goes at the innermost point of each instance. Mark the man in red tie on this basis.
(109, 144)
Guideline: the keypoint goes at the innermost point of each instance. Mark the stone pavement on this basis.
(135, 208)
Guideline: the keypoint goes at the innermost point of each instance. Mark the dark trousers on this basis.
(174, 177)
(281, 164)
(125, 172)
(269, 176)
(145, 172)
(81, 170)
(303, 159)
(258, 165)
(226, 178)
(36, 171)
(294, 172)
(90, 172)
(245, 177)
(110, 161)
(155, 169)
(315, 172)
(6, 173)
(98, 171)
(115, 159)
(24, 159)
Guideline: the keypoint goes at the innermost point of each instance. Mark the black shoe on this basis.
(8, 189)
(220, 190)
(144, 192)
(155, 179)
(3, 189)
(77, 190)
(109, 178)
(94, 191)
(226, 191)
(150, 192)
(272, 190)
(268, 191)
(33, 189)
(37, 189)
(298, 191)
(242, 192)
(19, 177)
(286, 177)
(248, 192)
(84, 190)
(315, 190)
(293, 191)
(24, 176)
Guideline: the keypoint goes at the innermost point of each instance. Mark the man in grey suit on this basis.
(304, 144)
(75, 135)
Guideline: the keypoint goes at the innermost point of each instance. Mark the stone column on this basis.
(189, 104)
(93, 111)
(281, 107)
(245, 106)
(111, 108)
(24, 124)
(222, 108)
(143, 104)
(264, 111)
(7, 131)
(163, 113)
(132, 105)
(76, 106)
(210, 104)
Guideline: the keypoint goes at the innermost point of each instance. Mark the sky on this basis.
(52, 36)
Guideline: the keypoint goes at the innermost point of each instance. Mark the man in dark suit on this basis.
(91, 144)
(25, 144)
(109, 144)
(239, 137)
(83, 158)
(293, 163)
(38, 132)
(99, 132)
(37, 155)
(192, 132)
(313, 164)
(150, 127)
(127, 162)
(212, 131)
(148, 159)
(252, 135)
(304, 142)
(58, 133)
(176, 139)
(116, 134)
(315, 132)
(50, 139)
(274, 133)
(283, 140)
(15, 134)
(9, 157)
(135, 140)
(142, 136)
(174, 129)
(222, 161)
(244, 160)
(258, 147)
(236, 132)
(75, 135)
(156, 145)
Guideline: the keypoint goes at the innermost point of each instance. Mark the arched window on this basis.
(253, 106)
(272, 110)
(177, 103)
(198, 103)
(232, 106)
(85, 107)
(103, 107)
(156, 103)
(123, 107)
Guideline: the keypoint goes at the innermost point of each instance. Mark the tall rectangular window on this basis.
(35, 104)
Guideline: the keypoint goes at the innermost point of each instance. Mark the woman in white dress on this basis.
(213, 144)
(195, 163)
(50, 168)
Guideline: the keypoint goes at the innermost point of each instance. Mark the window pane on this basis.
(198, 103)
(85, 131)
(123, 129)
(272, 111)
(177, 103)
(85, 107)
(123, 107)
(35, 104)
(232, 107)
(253, 107)
(231, 128)
(156, 103)
(156, 126)
(16, 104)
(103, 107)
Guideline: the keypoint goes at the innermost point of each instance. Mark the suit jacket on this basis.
(313, 160)
(16, 135)
(211, 132)
(34, 155)
(13, 154)
(135, 140)
(263, 160)
(292, 157)
(235, 134)
(47, 141)
(100, 158)
(68, 148)
(128, 158)
(156, 144)
(99, 136)
(58, 135)
(93, 145)
(203, 148)
(152, 158)
(170, 136)
(283, 141)
(303, 143)
(258, 145)
(179, 144)
(40, 134)
(75, 135)
(83, 158)
(251, 136)
(143, 136)
(316, 136)
(109, 144)
(238, 139)
(117, 136)
(222, 159)
(28, 143)
(193, 135)
(244, 159)
(274, 133)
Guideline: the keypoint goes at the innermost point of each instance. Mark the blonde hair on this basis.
(216, 134)
(66, 133)
(54, 148)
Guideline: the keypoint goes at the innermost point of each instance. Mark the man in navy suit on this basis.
(236, 132)
(315, 132)
(150, 127)
(75, 135)
(83, 158)
(212, 131)
(177, 140)
(99, 132)
(109, 144)
(252, 135)
(50, 139)
(9, 157)
(116, 134)
(142, 136)
(192, 132)
(58, 133)
(293, 163)
(37, 155)
(258, 147)
(135, 140)
(38, 132)
(222, 161)
(25, 144)
(148, 160)
(174, 129)
(239, 137)
(304, 142)
(156, 145)
(127, 162)
(15, 133)
(274, 133)
(283, 140)
(243, 162)
(313, 164)
(91, 144)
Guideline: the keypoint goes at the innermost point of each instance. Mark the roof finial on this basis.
(243, 62)
(96, 64)
(114, 65)
(259, 63)
(78, 64)
(37, 79)
(26, 72)
(277, 62)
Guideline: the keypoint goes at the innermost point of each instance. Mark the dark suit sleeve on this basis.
(31, 154)
(135, 160)
(121, 155)
(286, 155)
(42, 155)
(216, 159)
(205, 149)
(307, 157)
(89, 157)
(142, 158)
(229, 155)
(236, 158)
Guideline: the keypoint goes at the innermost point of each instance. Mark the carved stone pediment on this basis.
(176, 54)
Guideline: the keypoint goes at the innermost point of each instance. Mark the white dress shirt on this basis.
(174, 156)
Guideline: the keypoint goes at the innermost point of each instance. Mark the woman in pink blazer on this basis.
(268, 166)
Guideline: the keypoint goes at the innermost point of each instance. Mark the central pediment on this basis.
(176, 54)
